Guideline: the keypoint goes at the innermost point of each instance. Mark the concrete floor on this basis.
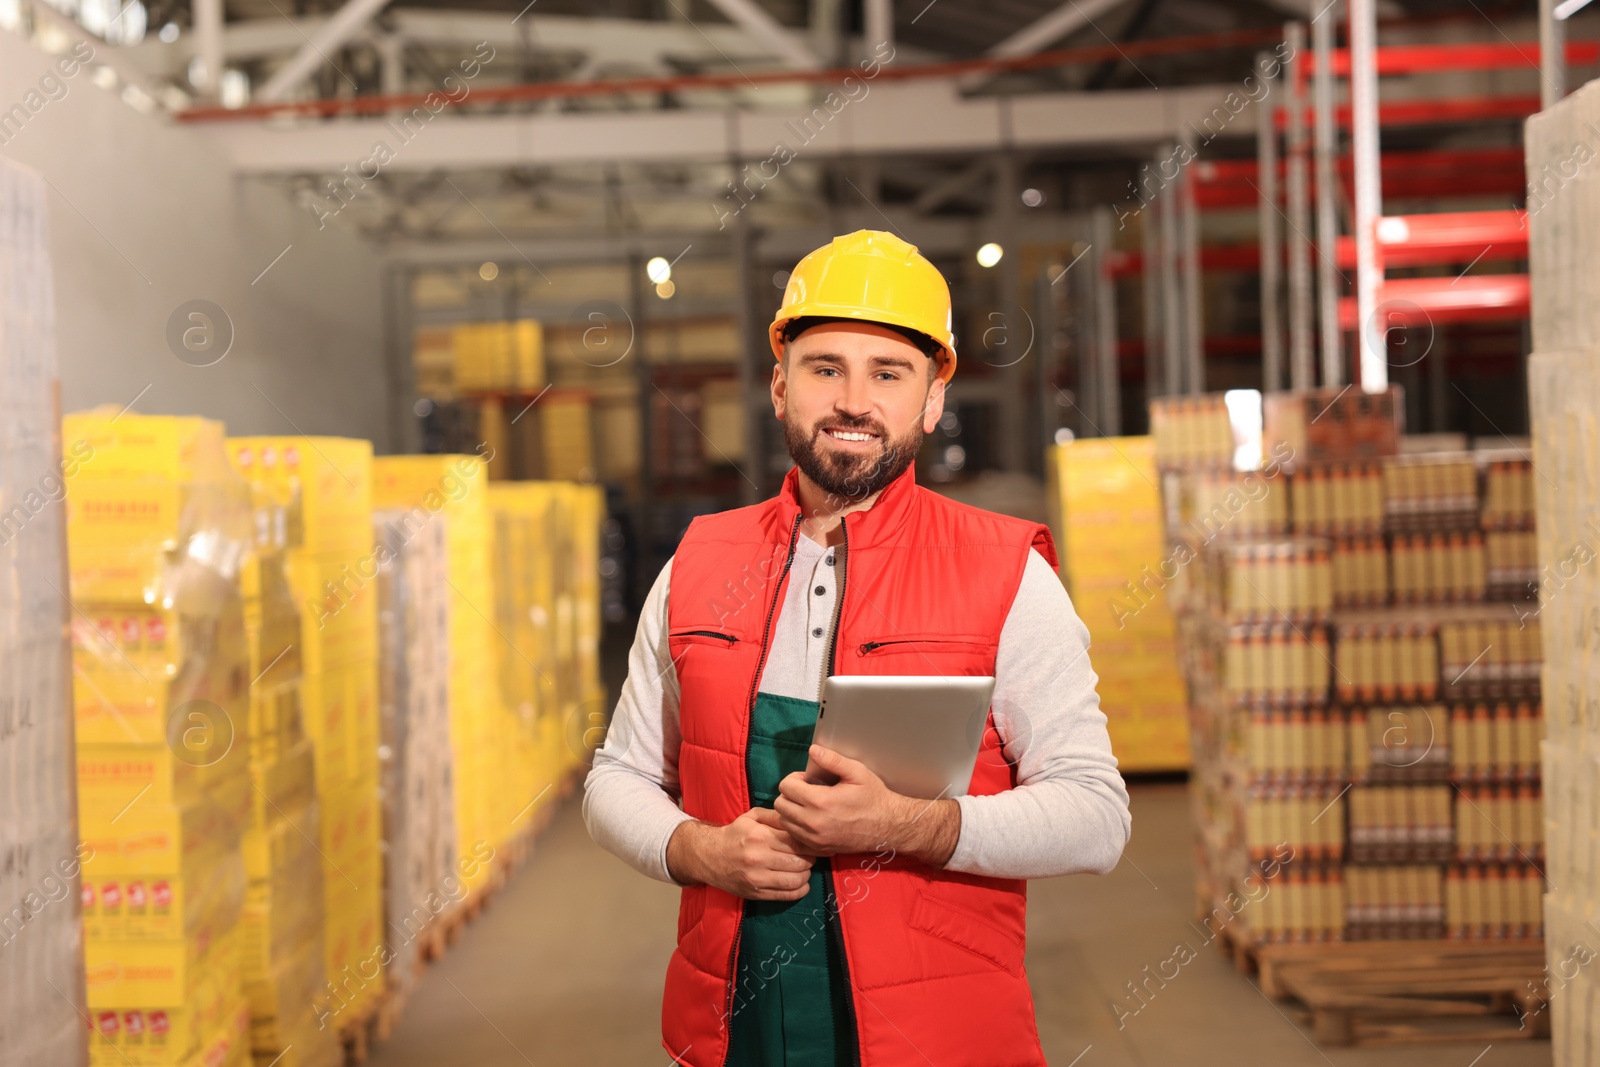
(565, 970)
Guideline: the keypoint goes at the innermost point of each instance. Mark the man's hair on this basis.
(925, 344)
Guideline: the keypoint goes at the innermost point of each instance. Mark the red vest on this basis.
(934, 956)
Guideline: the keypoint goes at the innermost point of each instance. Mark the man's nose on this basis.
(853, 399)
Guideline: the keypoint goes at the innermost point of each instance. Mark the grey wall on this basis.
(144, 216)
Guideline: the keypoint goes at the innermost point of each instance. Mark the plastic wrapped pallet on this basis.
(284, 965)
(453, 487)
(1107, 514)
(158, 530)
(414, 690)
(315, 496)
(1364, 697)
(40, 936)
(1564, 398)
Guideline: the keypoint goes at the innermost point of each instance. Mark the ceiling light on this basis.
(489, 271)
(989, 254)
(1032, 197)
(665, 289)
(658, 270)
(169, 33)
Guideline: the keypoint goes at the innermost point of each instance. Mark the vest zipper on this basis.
(836, 926)
(707, 633)
(750, 800)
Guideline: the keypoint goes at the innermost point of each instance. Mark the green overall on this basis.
(791, 1003)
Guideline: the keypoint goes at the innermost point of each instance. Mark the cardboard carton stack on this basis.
(41, 941)
(285, 921)
(454, 488)
(1564, 397)
(158, 528)
(414, 700)
(1114, 561)
(499, 356)
(324, 489)
(1364, 695)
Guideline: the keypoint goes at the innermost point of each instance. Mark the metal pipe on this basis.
(1189, 234)
(1271, 239)
(879, 23)
(1150, 273)
(1171, 293)
(1327, 219)
(1552, 54)
(1300, 372)
(207, 16)
(1369, 196)
(1105, 327)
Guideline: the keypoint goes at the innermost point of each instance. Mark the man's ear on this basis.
(934, 408)
(780, 390)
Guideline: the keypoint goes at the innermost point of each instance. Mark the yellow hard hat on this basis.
(875, 277)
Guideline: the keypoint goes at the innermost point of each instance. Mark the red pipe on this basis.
(1432, 58)
(1426, 112)
(499, 94)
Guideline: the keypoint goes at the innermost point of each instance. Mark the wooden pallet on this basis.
(357, 1034)
(1398, 992)
(378, 1021)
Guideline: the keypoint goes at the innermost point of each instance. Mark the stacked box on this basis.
(498, 356)
(1107, 517)
(454, 488)
(1192, 431)
(284, 957)
(547, 549)
(414, 702)
(566, 427)
(317, 504)
(41, 946)
(1360, 701)
(158, 526)
(1564, 398)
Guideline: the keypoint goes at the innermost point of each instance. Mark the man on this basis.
(845, 924)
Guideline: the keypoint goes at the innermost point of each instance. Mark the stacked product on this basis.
(499, 356)
(414, 702)
(323, 486)
(41, 941)
(1345, 671)
(1107, 517)
(158, 527)
(1192, 431)
(425, 489)
(588, 519)
(527, 559)
(1564, 374)
(284, 917)
(566, 430)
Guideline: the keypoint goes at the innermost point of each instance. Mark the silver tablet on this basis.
(920, 734)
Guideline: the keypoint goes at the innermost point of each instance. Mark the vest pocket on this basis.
(703, 637)
(691, 909)
(924, 643)
(968, 930)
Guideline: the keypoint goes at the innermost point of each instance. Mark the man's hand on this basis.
(751, 857)
(861, 814)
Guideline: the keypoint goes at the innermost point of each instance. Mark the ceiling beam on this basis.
(895, 122)
(1047, 30)
(348, 21)
(755, 21)
(953, 185)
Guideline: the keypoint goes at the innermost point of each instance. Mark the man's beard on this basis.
(845, 474)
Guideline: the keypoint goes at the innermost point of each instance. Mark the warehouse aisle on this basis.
(565, 971)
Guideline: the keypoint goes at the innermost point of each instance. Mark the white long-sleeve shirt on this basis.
(1067, 814)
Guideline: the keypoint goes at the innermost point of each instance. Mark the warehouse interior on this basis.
(363, 364)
